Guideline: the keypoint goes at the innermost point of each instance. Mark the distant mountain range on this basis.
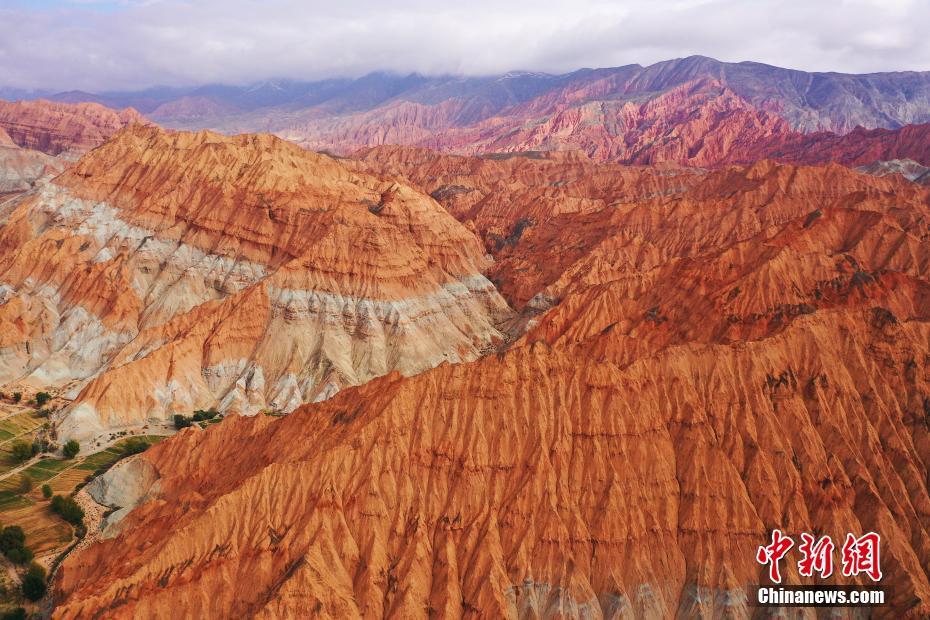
(808, 101)
(693, 111)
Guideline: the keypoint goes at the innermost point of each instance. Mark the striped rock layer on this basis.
(167, 272)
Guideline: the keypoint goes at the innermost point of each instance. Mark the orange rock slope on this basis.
(67, 129)
(167, 272)
(736, 351)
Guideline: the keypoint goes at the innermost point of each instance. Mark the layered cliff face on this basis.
(531, 205)
(698, 124)
(67, 129)
(733, 352)
(167, 272)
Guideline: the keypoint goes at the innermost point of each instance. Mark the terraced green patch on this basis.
(54, 464)
(21, 423)
(11, 500)
(13, 483)
(45, 531)
(100, 459)
(112, 454)
(47, 468)
(65, 482)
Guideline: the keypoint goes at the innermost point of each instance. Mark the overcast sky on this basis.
(129, 44)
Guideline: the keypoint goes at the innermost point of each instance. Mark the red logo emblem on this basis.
(818, 556)
(861, 555)
(771, 554)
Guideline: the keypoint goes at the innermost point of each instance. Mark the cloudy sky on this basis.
(129, 44)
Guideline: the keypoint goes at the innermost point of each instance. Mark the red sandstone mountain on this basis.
(857, 148)
(693, 111)
(712, 355)
(167, 272)
(807, 101)
(62, 128)
(699, 123)
(695, 124)
(506, 197)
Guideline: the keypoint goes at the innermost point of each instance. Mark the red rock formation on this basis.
(700, 123)
(505, 198)
(342, 115)
(179, 271)
(697, 124)
(693, 112)
(857, 148)
(62, 128)
(694, 124)
(745, 352)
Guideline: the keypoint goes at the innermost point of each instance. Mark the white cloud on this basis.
(136, 44)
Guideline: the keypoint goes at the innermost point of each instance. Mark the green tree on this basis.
(68, 509)
(13, 545)
(36, 569)
(17, 396)
(181, 421)
(19, 555)
(46, 491)
(134, 445)
(26, 484)
(34, 582)
(22, 450)
(201, 415)
(42, 398)
(11, 536)
(14, 614)
(71, 449)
